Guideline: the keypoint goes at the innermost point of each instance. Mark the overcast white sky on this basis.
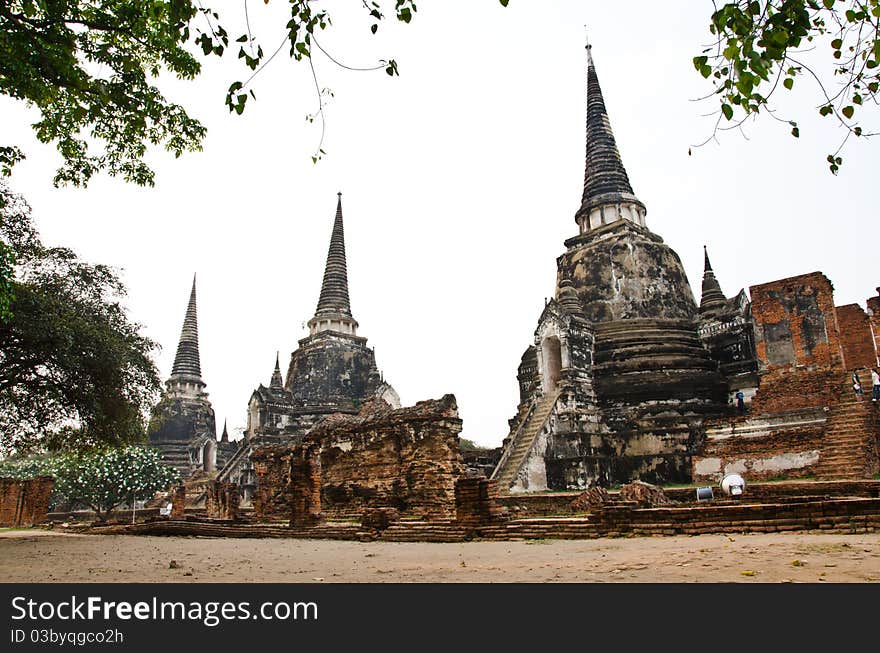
(460, 181)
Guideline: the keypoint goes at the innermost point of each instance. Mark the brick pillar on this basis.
(213, 501)
(178, 502)
(476, 501)
(231, 499)
(305, 485)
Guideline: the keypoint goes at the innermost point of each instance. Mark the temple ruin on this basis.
(333, 371)
(628, 379)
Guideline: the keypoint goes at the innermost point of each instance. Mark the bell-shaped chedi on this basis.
(621, 379)
(183, 425)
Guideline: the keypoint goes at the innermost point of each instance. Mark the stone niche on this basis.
(406, 458)
(24, 503)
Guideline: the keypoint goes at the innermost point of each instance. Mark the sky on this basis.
(460, 182)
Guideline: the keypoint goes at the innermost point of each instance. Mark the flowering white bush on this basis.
(101, 480)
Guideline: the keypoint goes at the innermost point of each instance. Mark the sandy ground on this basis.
(43, 556)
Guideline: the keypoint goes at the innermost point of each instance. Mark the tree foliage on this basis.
(100, 480)
(91, 67)
(74, 371)
(760, 45)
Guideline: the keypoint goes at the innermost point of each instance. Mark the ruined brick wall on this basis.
(476, 502)
(178, 502)
(407, 458)
(856, 337)
(798, 344)
(222, 500)
(796, 323)
(24, 503)
(305, 485)
(272, 498)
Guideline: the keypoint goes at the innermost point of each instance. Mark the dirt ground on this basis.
(44, 556)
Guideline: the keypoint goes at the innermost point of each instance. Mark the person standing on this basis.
(875, 382)
(740, 402)
(857, 386)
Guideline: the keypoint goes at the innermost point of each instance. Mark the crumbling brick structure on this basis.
(178, 502)
(798, 344)
(476, 502)
(406, 458)
(272, 470)
(856, 337)
(24, 503)
(805, 419)
(222, 500)
(304, 478)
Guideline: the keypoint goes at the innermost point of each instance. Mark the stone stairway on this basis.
(851, 436)
(523, 440)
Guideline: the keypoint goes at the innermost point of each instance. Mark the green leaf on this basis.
(848, 111)
(788, 82)
(504, 3)
(727, 110)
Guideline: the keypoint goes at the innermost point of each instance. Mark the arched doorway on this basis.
(551, 363)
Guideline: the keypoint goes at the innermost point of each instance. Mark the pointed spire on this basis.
(334, 309)
(277, 381)
(605, 178)
(225, 436)
(334, 289)
(186, 362)
(712, 300)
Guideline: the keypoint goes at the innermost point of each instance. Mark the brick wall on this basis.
(222, 500)
(795, 323)
(24, 503)
(856, 337)
(305, 485)
(272, 470)
(476, 502)
(784, 450)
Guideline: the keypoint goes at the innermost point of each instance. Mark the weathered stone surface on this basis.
(644, 494)
(24, 503)
(623, 271)
(594, 498)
